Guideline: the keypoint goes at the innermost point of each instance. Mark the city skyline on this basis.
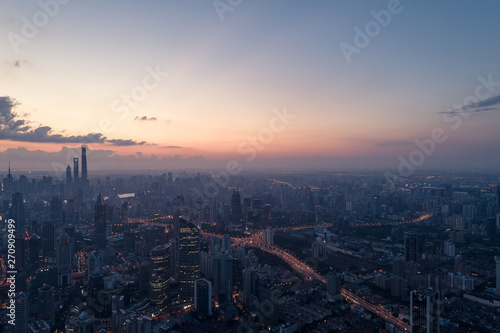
(356, 98)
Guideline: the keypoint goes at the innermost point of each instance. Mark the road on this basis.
(255, 240)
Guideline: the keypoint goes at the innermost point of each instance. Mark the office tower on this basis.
(160, 276)
(268, 236)
(34, 250)
(63, 260)
(21, 312)
(226, 243)
(249, 285)
(20, 241)
(189, 256)
(94, 263)
(56, 210)
(498, 196)
(47, 238)
(100, 216)
(469, 212)
(333, 286)
(46, 301)
(497, 289)
(69, 179)
(75, 169)
(491, 229)
(424, 311)
(236, 208)
(84, 163)
(214, 246)
(203, 297)
(223, 278)
(411, 246)
(18, 212)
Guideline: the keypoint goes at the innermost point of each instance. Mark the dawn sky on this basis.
(187, 83)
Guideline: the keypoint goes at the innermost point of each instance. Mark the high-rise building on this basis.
(160, 276)
(56, 210)
(75, 169)
(424, 311)
(100, 217)
(84, 163)
(189, 258)
(249, 285)
(236, 208)
(47, 238)
(203, 297)
(63, 260)
(46, 301)
(333, 286)
(18, 212)
(498, 193)
(497, 287)
(223, 278)
(226, 243)
(214, 246)
(413, 246)
(21, 313)
(94, 263)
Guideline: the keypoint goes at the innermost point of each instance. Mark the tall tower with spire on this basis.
(9, 181)
(75, 169)
(84, 163)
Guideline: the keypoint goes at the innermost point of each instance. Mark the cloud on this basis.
(13, 128)
(171, 147)
(145, 118)
(128, 142)
(481, 106)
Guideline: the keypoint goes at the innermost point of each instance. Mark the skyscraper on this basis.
(214, 246)
(203, 297)
(56, 211)
(94, 263)
(84, 163)
(411, 246)
(333, 286)
(18, 212)
(223, 278)
(226, 243)
(497, 287)
(47, 238)
(236, 208)
(424, 311)
(189, 258)
(75, 169)
(64, 260)
(100, 217)
(160, 276)
(68, 175)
